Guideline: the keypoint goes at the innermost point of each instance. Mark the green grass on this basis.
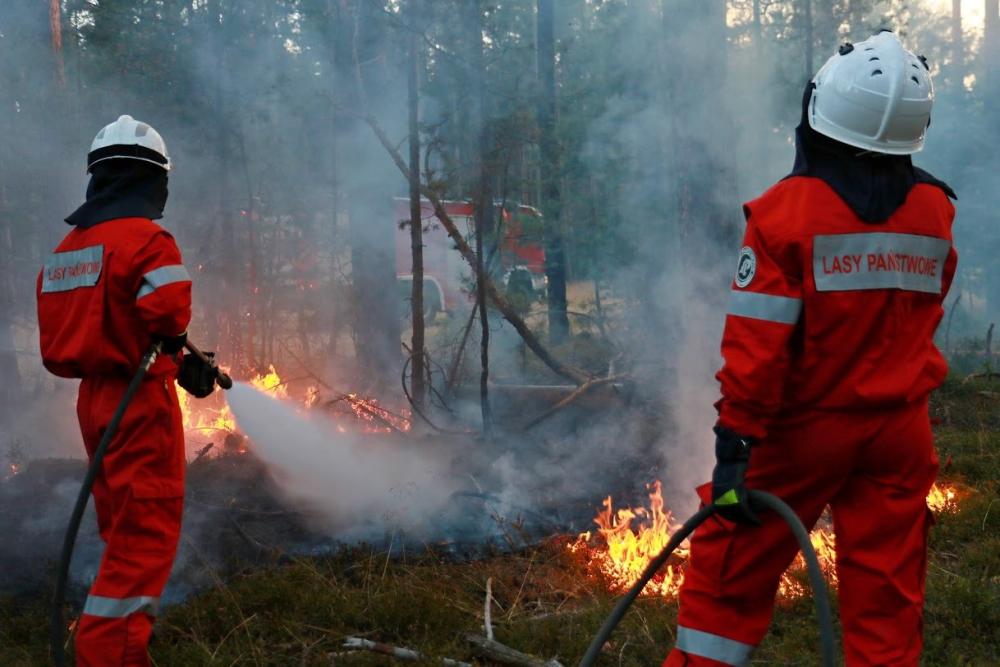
(299, 610)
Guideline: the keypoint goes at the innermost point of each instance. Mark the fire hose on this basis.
(760, 498)
(56, 621)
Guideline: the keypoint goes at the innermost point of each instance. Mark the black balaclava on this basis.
(874, 185)
(122, 188)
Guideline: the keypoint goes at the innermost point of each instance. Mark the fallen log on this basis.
(505, 655)
(396, 651)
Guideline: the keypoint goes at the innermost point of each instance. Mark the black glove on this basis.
(171, 345)
(732, 456)
(197, 377)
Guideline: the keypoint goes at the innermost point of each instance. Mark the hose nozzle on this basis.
(221, 378)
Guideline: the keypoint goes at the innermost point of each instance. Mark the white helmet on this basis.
(874, 95)
(129, 139)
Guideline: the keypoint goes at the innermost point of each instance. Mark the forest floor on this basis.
(299, 611)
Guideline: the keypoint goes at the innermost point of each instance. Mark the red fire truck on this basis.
(448, 278)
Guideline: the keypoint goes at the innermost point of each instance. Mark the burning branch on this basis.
(360, 406)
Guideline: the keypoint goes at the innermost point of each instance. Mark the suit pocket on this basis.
(151, 520)
(711, 546)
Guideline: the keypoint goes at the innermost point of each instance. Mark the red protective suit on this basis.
(829, 360)
(104, 294)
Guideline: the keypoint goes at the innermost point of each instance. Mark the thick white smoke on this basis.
(357, 484)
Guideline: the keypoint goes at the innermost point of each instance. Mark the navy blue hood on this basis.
(122, 189)
(874, 185)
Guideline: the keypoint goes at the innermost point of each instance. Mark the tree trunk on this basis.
(335, 21)
(555, 258)
(416, 224)
(807, 32)
(373, 263)
(991, 52)
(10, 377)
(55, 24)
(758, 29)
(484, 203)
(957, 43)
(226, 337)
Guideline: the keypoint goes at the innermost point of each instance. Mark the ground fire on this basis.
(627, 539)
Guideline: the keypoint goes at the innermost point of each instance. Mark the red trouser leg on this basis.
(881, 520)
(875, 469)
(733, 574)
(138, 496)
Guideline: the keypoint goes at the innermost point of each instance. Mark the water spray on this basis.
(58, 600)
(763, 499)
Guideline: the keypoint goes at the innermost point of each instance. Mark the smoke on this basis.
(281, 201)
(683, 126)
(359, 484)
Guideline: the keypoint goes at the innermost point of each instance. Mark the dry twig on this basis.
(201, 453)
(488, 609)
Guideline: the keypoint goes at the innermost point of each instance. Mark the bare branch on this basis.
(575, 375)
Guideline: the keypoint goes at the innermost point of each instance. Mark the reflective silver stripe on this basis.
(165, 275)
(97, 605)
(714, 647)
(780, 309)
(879, 260)
(65, 271)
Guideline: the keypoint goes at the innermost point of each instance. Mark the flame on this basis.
(626, 551)
(271, 383)
(794, 582)
(943, 499)
(628, 539)
(205, 419)
(12, 470)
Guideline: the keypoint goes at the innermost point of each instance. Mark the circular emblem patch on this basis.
(747, 266)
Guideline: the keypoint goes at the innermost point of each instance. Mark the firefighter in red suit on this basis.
(828, 363)
(113, 286)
